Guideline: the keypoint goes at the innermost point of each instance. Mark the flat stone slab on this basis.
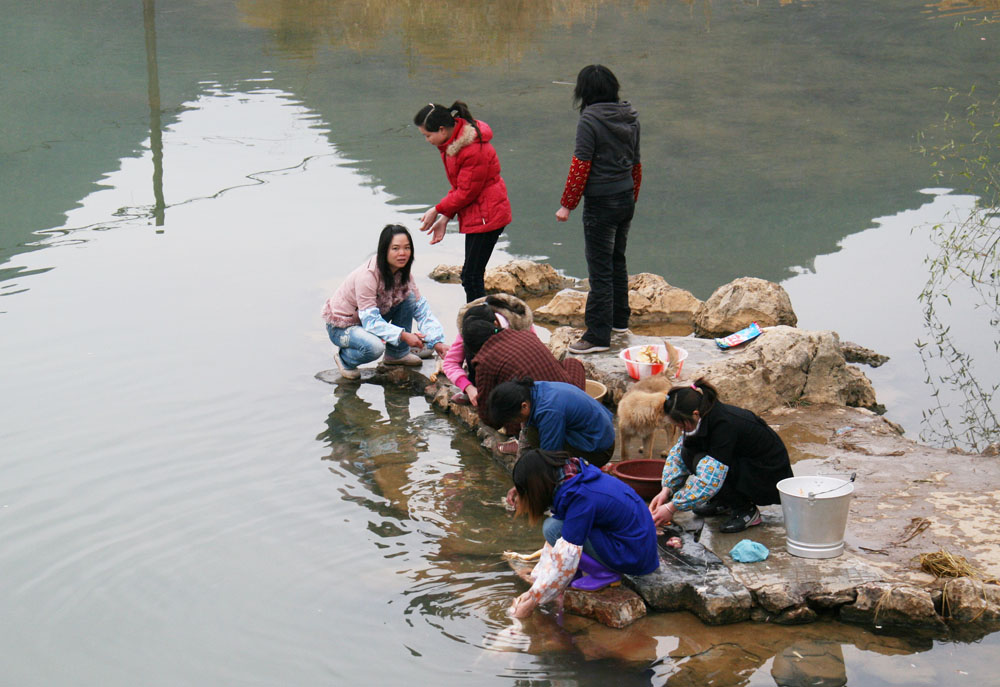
(694, 579)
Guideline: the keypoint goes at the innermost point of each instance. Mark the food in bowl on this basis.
(640, 369)
(649, 354)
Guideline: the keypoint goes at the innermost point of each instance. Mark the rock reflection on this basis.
(961, 8)
(737, 654)
(499, 31)
(437, 495)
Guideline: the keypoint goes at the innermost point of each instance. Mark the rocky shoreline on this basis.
(909, 499)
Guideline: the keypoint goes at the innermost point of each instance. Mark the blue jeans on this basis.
(606, 221)
(552, 530)
(359, 346)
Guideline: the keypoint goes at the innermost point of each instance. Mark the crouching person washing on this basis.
(373, 311)
(727, 462)
(599, 527)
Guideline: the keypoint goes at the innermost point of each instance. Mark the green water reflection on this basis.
(773, 131)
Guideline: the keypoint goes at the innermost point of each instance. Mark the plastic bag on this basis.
(749, 551)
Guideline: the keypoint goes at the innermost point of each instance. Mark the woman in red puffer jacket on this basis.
(478, 193)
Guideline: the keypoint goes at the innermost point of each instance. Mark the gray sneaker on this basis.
(584, 346)
(741, 519)
(346, 372)
(409, 359)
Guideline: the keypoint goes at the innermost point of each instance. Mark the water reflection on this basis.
(436, 491)
(155, 127)
(433, 503)
(448, 33)
(966, 8)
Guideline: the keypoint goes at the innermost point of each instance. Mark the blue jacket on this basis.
(565, 414)
(608, 512)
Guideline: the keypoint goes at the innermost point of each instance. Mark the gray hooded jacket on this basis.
(608, 135)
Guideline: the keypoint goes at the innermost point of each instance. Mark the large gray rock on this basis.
(651, 299)
(741, 302)
(566, 307)
(884, 604)
(518, 277)
(654, 301)
(786, 366)
(693, 579)
(965, 600)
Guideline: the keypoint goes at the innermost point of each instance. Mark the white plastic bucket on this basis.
(815, 525)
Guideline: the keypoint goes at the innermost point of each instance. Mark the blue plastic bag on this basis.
(749, 551)
(740, 337)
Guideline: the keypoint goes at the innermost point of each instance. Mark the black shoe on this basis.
(707, 510)
(741, 519)
(584, 346)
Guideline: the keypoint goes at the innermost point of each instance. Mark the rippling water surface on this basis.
(183, 184)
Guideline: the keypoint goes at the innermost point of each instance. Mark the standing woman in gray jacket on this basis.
(607, 173)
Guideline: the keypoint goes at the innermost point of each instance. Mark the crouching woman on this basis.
(373, 311)
(728, 461)
(599, 527)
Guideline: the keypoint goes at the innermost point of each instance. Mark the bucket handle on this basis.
(814, 494)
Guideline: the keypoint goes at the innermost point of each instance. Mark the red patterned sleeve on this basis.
(636, 180)
(579, 170)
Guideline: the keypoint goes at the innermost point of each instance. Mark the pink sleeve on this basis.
(452, 364)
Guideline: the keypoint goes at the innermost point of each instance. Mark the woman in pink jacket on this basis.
(478, 193)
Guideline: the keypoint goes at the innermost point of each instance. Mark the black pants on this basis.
(478, 249)
(606, 221)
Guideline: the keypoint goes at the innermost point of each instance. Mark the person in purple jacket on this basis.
(599, 528)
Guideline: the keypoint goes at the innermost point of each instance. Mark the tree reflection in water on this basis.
(965, 268)
(440, 32)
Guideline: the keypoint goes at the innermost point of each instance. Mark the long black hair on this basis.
(595, 84)
(681, 401)
(536, 475)
(382, 255)
(478, 324)
(432, 117)
(506, 399)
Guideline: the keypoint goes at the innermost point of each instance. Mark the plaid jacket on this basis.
(511, 354)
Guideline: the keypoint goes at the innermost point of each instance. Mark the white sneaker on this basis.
(346, 372)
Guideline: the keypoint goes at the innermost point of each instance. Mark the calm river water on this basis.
(183, 184)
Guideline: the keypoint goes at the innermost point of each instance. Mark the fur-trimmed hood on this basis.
(467, 134)
(506, 305)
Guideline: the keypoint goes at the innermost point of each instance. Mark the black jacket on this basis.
(756, 456)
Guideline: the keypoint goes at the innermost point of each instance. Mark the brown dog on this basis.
(640, 412)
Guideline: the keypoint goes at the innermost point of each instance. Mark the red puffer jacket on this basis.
(478, 193)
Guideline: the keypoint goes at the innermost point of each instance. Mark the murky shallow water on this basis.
(182, 503)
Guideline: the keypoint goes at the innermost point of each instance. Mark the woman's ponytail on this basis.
(460, 109)
(682, 401)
